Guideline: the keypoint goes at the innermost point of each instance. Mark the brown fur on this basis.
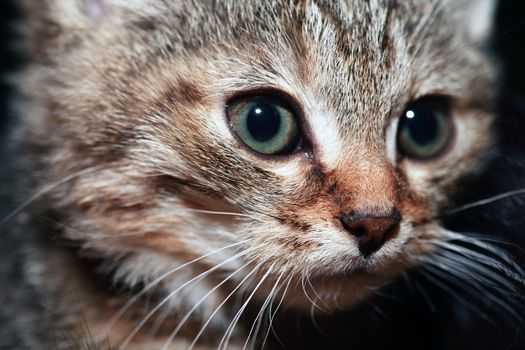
(140, 95)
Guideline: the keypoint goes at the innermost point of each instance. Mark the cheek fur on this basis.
(139, 95)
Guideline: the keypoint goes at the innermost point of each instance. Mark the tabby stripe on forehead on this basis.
(387, 45)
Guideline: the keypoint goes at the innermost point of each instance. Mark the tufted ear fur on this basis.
(97, 9)
(47, 21)
(479, 16)
(84, 12)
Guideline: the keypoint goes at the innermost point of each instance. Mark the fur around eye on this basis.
(265, 124)
(425, 129)
(227, 174)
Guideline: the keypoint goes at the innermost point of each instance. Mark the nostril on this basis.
(359, 231)
(371, 230)
(350, 226)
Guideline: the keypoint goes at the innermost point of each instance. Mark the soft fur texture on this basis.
(124, 122)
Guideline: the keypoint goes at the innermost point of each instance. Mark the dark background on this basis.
(9, 59)
(405, 324)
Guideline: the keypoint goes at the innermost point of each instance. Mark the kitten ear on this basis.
(82, 13)
(479, 17)
(97, 9)
(47, 22)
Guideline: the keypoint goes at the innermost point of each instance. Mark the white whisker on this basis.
(92, 236)
(308, 296)
(174, 333)
(225, 339)
(152, 284)
(432, 274)
(481, 266)
(483, 243)
(47, 189)
(474, 288)
(221, 305)
(471, 259)
(173, 293)
(516, 273)
(486, 201)
(227, 213)
(263, 307)
(272, 316)
(318, 297)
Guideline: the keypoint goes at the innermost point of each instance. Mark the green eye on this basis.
(425, 129)
(265, 124)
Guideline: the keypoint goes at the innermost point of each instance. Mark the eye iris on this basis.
(424, 129)
(263, 122)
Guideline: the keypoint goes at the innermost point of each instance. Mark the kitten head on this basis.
(314, 141)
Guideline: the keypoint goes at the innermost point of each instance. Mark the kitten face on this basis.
(140, 98)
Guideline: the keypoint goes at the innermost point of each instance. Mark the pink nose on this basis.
(372, 231)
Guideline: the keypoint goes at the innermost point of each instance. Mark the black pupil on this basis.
(263, 121)
(422, 124)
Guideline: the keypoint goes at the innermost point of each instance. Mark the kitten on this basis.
(202, 165)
